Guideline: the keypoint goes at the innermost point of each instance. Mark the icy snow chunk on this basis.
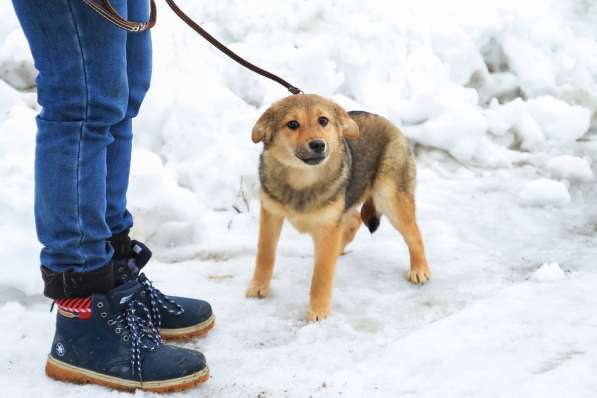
(501, 118)
(544, 192)
(570, 168)
(538, 119)
(460, 132)
(529, 132)
(549, 272)
(504, 86)
(558, 120)
(513, 117)
(534, 68)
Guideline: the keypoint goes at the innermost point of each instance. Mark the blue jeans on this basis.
(92, 80)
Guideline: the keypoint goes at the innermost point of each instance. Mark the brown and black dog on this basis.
(319, 164)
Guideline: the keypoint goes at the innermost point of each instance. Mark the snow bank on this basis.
(461, 133)
(544, 192)
(430, 67)
(452, 76)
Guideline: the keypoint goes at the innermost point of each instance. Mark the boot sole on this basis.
(61, 371)
(190, 332)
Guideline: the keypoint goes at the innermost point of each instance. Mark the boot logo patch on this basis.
(126, 299)
(60, 350)
(79, 308)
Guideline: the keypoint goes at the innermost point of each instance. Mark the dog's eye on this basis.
(293, 125)
(323, 121)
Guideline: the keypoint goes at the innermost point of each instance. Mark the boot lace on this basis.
(135, 324)
(158, 301)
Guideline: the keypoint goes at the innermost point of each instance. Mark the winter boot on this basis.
(110, 340)
(177, 318)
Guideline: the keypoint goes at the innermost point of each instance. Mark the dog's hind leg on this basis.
(328, 243)
(270, 226)
(351, 222)
(399, 207)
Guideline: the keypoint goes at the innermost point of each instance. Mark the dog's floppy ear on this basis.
(264, 126)
(350, 128)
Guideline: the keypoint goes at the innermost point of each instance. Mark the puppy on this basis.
(318, 166)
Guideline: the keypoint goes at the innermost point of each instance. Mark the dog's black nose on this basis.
(317, 146)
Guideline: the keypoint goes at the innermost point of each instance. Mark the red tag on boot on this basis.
(74, 307)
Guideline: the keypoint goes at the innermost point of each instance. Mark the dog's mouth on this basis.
(312, 160)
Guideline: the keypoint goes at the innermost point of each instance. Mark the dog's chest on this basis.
(306, 222)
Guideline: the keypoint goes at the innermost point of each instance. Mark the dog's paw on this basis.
(419, 276)
(257, 290)
(316, 315)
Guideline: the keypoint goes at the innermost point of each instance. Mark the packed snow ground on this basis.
(498, 97)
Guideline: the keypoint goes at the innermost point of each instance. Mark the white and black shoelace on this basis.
(139, 329)
(159, 301)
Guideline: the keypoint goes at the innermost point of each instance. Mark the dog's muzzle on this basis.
(317, 152)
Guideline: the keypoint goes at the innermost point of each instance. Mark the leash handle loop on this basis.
(106, 10)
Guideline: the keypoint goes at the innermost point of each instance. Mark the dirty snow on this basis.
(498, 99)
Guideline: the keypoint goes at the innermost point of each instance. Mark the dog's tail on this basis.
(370, 216)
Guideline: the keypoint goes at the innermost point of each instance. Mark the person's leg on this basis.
(139, 64)
(103, 334)
(83, 90)
(178, 318)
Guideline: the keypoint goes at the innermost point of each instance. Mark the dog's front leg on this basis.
(328, 244)
(270, 226)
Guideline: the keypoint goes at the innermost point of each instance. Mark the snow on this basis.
(498, 100)
(548, 272)
(461, 132)
(571, 168)
(513, 118)
(558, 120)
(15, 61)
(544, 192)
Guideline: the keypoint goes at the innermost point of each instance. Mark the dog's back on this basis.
(380, 150)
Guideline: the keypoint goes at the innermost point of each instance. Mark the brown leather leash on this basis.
(106, 10)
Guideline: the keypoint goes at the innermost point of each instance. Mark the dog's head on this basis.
(304, 130)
